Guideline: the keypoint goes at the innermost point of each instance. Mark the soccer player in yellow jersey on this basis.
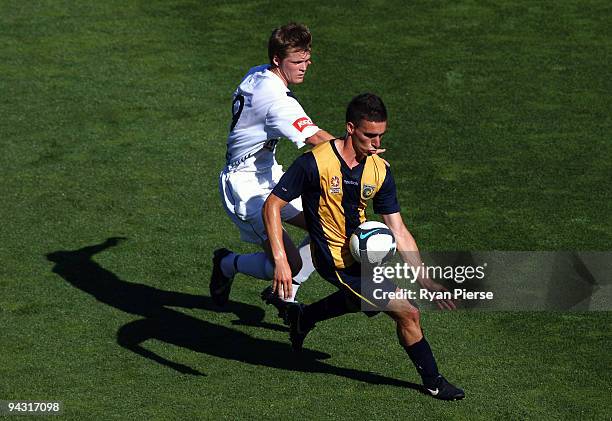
(337, 180)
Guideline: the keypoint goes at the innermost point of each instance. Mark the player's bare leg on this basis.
(307, 269)
(293, 254)
(227, 264)
(305, 255)
(408, 323)
(407, 320)
(295, 263)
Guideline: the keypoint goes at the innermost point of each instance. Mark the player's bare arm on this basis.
(272, 220)
(319, 137)
(323, 136)
(407, 247)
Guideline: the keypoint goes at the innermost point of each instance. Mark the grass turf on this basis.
(114, 121)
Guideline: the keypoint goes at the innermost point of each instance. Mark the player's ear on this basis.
(350, 128)
(276, 60)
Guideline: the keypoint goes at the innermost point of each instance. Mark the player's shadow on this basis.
(171, 326)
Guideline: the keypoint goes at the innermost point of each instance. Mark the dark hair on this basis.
(366, 107)
(290, 36)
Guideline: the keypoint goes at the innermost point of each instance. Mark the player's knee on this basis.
(409, 319)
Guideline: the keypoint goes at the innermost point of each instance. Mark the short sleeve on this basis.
(286, 118)
(385, 201)
(296, 179)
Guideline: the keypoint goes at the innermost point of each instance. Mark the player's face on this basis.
(293, 67)
(366, 136)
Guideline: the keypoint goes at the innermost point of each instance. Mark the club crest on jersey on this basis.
(367, 191)
(302, 122)
(334, 185)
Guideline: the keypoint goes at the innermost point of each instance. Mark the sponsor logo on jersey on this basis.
(302, 122)
(367, 191)
(334, 185)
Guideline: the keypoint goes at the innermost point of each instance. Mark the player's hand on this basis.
(282, 282)
(433, 286)
(378, 152)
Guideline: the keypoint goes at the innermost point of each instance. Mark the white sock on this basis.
(294, 288)
(256, 265)
(307, 265)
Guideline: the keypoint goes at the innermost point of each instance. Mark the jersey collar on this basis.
(343, 163)
(277, 79)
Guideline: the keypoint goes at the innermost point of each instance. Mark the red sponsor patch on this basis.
(302, 123)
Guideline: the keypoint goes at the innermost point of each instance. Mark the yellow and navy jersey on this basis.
(335, 198)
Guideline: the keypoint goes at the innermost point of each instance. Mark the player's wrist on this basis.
(280, 258)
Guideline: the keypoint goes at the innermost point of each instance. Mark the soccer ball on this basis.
(372, 242)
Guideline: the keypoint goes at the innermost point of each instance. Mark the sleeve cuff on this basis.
(387, 211)
(284, 195)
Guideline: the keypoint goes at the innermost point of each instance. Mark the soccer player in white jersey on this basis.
(264, 111)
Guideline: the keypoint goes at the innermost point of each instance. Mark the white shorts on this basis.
(243, 194)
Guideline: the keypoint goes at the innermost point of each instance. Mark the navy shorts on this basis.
(363, 293)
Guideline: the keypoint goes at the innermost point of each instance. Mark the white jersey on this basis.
(264, 110)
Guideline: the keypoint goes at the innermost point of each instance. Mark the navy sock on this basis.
(424, 361)
(333, 305)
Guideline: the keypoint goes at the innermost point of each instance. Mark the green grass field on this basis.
(114, 118)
